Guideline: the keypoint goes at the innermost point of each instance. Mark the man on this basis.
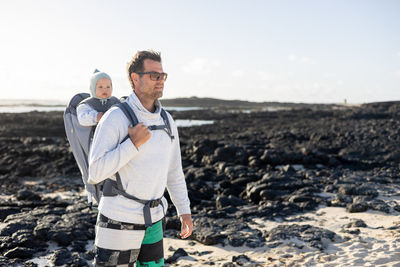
(147, 163)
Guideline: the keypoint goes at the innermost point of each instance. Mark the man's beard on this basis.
(157, 95)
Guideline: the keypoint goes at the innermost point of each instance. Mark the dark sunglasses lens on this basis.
(158, 76)
(154, 76)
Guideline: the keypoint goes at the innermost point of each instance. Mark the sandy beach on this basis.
(375, 245)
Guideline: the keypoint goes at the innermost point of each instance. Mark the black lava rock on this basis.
(180, 252)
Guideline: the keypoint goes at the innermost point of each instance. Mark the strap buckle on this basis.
(154, 203)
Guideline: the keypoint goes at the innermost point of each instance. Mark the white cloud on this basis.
(200, 65)
(397, 73)
(398, 54)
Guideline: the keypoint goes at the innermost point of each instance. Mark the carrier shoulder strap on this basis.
(124, 106)
(164, 116)
(129, 114)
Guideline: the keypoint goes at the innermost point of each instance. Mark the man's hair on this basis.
(136, 63)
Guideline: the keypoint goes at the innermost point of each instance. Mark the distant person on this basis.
(140, 167)
(90, 110)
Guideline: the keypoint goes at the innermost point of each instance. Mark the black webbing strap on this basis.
(147, 203)
(156, 127)
(164, 116)
(113, 188)
(124, 106)
(129, 114)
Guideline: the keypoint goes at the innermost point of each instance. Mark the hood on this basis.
(97, 75)
(135, 103)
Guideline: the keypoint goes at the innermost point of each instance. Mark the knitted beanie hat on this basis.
(97, 75)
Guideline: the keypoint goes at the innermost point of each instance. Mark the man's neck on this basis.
(149, 104)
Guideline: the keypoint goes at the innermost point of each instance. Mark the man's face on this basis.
(146, 87)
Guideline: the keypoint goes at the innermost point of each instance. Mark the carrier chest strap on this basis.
(130, 114)
(156, 127)
(147, 205)
(113, 188)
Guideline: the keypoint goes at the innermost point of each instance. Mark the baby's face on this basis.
(103, 88)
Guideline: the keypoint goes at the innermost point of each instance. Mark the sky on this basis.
(309, 51)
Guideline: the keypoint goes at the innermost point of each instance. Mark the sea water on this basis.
(26, 105)
(21, 106)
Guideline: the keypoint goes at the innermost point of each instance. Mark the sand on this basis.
(375, 245)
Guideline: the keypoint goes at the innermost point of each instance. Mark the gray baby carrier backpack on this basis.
(79, 137)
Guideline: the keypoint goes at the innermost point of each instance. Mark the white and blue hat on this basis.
(97, 75)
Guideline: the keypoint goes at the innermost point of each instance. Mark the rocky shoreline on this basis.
(242, 168)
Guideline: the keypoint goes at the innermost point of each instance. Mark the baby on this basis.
(90, 110)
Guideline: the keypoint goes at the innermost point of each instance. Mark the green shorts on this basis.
(150, 254)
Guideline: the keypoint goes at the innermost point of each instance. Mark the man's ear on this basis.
(134, 77)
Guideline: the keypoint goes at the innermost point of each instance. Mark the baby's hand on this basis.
(99, 115)
(139, 134)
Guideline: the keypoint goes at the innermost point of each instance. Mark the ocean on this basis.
(27, 105)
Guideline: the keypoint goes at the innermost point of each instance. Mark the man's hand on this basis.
(139, 134)
(186, 225)
(99, 115)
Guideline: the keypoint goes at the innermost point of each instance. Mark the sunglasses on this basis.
(155, 76)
